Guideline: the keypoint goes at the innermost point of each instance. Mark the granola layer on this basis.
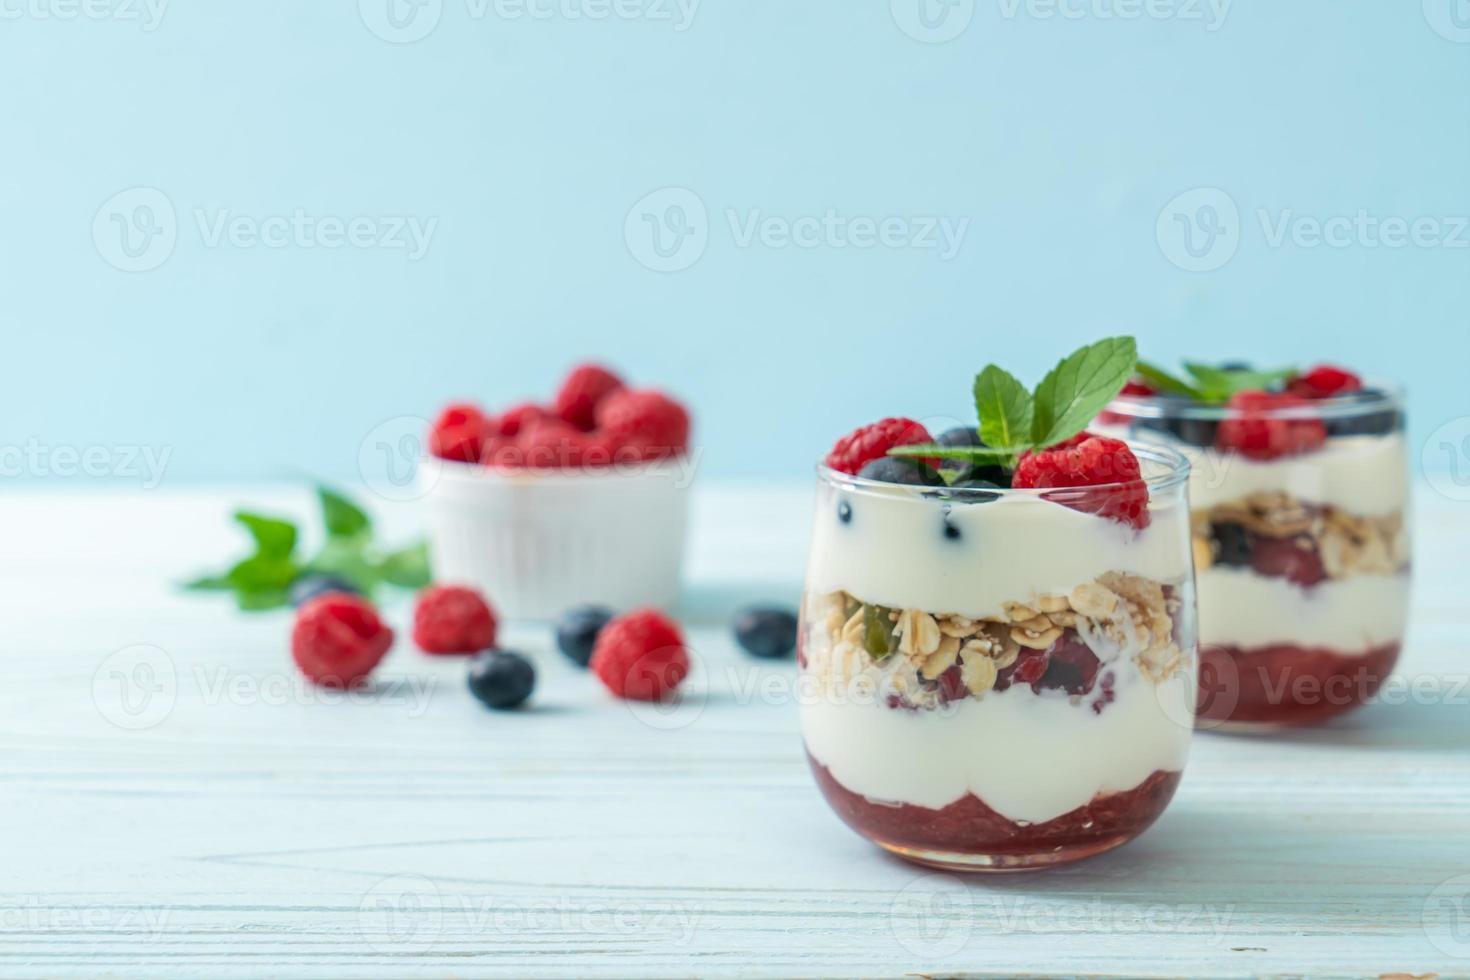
(1335, 544)
(921, 659)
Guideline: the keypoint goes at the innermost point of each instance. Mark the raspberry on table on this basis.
(338, 639)
(641, 656)
(554, 444)
(582, 391)
(858, 448)
(1256, 432)
(453, 619)
(1324, 381)
(1086, 460)
(643, 424)
(460, 432)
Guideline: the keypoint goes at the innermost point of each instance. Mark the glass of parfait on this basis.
(997, 678)
(1301, 522)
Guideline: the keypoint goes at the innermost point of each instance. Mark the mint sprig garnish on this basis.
(262, 580)
(1212, 384)
(1013, 420)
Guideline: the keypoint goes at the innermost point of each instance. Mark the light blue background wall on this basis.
(1060, 139)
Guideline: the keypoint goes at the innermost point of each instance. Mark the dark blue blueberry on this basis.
(501, 679)
(766, 631)
(950, 531)
(1191, 432)
(1232, 544)
(844, 512)
(1235, 366)
(1367, 423)
(985, 475)
(577, 630)
(960, 437)
(892, 469)
(312, 584)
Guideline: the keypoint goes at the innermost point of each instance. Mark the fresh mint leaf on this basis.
(407, 568)
(1079, 387)
(347, 558)
(973, 454)
(1005, 408)
(342, 517)
(261, 600)
(209, 583)
(1220, 385)
(274, 538)
(262, 573)
(1164, 381)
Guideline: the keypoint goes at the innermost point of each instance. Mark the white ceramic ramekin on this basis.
(538, 543)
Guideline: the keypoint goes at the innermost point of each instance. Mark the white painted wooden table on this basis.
(237, 823)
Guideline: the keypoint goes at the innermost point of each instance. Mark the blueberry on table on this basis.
(892, 469)
(312, 584)
(576, 631)
(501, 679)
(766, 632)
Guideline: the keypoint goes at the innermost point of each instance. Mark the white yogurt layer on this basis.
(1029, 757)
(894, 551)
(1238, 607)
(1367, 476)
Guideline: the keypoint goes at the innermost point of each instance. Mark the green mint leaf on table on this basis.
(261, 573)
(209, 583)
(342, 517)
(1164, 381)
(262, 600)
(407, 568)
(1079, 387)
(347, 558)
(274, 537)
(1005, 408)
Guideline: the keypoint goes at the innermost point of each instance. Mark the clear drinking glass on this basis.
(1301, 545)
(998, 680)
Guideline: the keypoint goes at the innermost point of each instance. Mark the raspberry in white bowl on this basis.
(997, 639)
(1300, 493)
(545, 507)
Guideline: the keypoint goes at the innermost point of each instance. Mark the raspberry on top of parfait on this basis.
(1025, 439)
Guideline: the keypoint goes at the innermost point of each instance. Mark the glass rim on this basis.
(1175, 468)
(1335, 407)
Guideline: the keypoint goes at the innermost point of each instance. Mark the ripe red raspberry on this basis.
(858, 448)
(459, 433)
(453, 619)
(553, 444)
(1256, 431)
(1324, 381)
(643, 424)
(1133, 389)
(1086, 460)
(582, 391)
(517, 417)
(640, 655)
(338, 639)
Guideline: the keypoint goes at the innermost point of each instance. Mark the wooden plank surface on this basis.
(228, 820)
